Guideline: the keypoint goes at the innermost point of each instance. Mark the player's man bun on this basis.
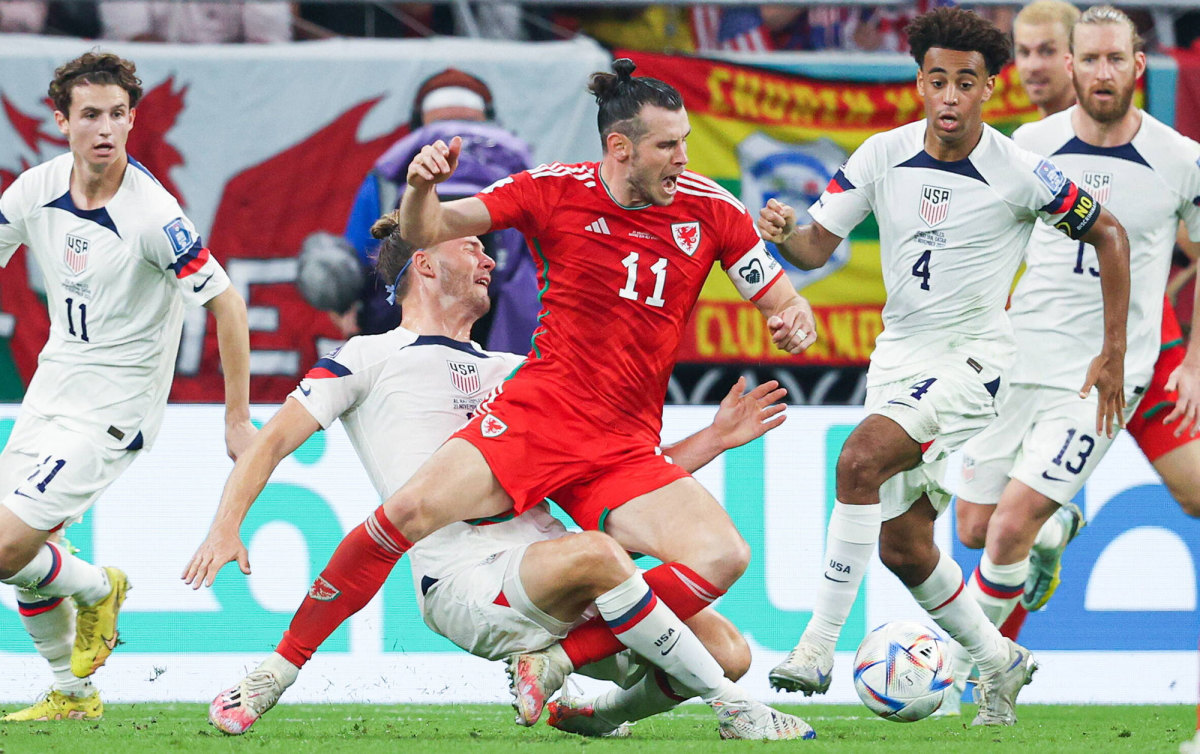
(621, 97)
(394, 252)
(958, 29)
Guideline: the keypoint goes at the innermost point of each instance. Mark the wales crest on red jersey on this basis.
(687, 236)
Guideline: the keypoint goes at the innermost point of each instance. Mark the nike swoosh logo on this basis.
(196, 288)
(305, 390)
(1053, 478)
(668, 649)
(837, 581)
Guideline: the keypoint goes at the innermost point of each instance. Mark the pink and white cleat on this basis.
(533, 678)
(236, 709)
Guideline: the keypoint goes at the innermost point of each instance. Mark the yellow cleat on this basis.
(96, 627)
(59, 706)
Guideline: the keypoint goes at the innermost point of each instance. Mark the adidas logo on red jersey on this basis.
(600, 226)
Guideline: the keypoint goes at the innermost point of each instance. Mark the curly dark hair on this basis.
(94, 67)
(621, 96)
(394, 252)
(958, 29)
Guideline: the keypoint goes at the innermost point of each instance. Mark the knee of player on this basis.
(726, 559)
(599, 556)
(857, 467)
(972, 532)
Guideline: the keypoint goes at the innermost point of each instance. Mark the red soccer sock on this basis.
(1011, 627)
(679, 587)
(352, 577)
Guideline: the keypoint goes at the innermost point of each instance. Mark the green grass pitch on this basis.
(462, 729)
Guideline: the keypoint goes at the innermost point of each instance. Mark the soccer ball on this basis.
(902, 671)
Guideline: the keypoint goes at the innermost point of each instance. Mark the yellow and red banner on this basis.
(765, 134)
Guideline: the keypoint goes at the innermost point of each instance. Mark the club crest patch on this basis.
(935, 204)
(76, 254)
(686, 236)
(323, 591)
(492, 426)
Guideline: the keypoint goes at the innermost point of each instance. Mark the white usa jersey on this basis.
(117, 279)
(400, 396)
(1149, 185)
(951, 235)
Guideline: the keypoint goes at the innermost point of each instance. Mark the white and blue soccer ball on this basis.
(902, 671)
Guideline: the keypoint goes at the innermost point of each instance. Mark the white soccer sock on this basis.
(998, 588)
(1052, 534)
(51, 625)
(285, 671)
(54, 572)
(654, 694)
(942, 596)
(647, 626)
(852, 537)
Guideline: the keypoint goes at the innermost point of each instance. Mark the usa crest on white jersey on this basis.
(687, 236)
(1098, 184)
(464, 376)
(935, 204)
(76, 254)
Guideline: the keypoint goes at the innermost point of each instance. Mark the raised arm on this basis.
(1107, 371)
(424, 219)
(290, 427)
(233, 342)
(740, 419)
(807, 246)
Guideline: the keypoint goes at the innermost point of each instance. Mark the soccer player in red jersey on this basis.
(623, 247)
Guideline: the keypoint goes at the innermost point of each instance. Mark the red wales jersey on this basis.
(618, 284)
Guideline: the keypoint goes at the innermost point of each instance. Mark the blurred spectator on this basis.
(448, 104)
(742, 28)
(196, 22)
(658, 28)
(23, 17)
(1187, 30)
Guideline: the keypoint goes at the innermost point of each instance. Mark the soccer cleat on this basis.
(1045, 563)
(59, 706)
(236, 709)
(808, 668)
(756, 721)
(997, 693)
(533, 678)
(579, 717)
(1191, 746)
(96, 627)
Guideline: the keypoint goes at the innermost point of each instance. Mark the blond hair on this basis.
(1049, 12)
(1106, 14)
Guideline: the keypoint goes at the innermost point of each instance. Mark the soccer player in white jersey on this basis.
(1042, 36)
(121, 263)
(503, 589)
(956, 202)
(1037, 455)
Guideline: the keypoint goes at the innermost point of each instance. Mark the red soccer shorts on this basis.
(1153, 437)
(540, 445)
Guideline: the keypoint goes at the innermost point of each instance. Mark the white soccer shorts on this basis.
(1044, 437)
(467, 608)
(941, 407)
(50, 474)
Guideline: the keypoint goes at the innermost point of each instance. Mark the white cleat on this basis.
(755, 721)
(1191, 747)
(533, 678)
(1045, 563)
(579, 717)
(997, 693)
(236, 709)
(808, 668)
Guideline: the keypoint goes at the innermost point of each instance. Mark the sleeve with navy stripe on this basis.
(1071, 209)
(12, 222)
(171, 243)
(850, 195)
(337, 383)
